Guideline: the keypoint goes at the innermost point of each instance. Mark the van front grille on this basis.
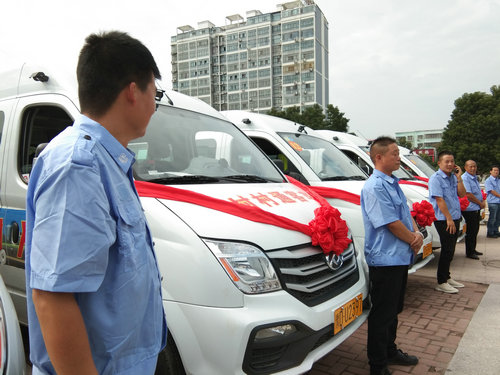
(304, 273)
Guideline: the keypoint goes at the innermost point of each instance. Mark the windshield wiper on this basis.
(245, 178)
(343, 178)
(188, 179)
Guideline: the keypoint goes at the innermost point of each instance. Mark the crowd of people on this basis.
(392, 238)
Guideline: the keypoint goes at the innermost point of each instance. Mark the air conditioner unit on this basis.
(296, 40)
(296, 93)
(305, 91)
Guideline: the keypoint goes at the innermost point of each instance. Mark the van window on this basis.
(279, 159)
(184, 147)
(367, 168)
(39, 125)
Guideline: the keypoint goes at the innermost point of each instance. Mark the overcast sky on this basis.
(395, 65)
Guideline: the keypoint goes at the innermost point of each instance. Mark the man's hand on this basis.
(417, 242)
(450, 226)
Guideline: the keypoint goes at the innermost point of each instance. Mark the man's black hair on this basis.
(108, 62)
(444, 153)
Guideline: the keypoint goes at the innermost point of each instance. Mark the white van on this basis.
(240, 296)
(309, 158)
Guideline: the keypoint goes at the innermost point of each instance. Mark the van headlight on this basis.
(246, 265)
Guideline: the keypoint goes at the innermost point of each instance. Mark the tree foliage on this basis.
(473, 131)
(314, 117)
(404, 143)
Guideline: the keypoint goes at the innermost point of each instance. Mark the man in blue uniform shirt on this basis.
(392, 239)
(445, 186)
(93, 285)
(492, 187)
(472, 213)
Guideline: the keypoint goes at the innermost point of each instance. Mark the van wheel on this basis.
(169, 360)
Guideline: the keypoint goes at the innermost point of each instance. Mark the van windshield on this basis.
(326, 160)
(184, 147)
(421, 164)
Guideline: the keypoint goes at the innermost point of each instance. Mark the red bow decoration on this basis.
(423, 213)
(329, 230)
(464, 203)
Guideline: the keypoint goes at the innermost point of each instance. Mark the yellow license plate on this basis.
(427, 250)
(346, 314)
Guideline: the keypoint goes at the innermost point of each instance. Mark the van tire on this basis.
(169, 360)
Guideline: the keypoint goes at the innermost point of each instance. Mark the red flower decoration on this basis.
(423, 213)
(464, 203)
(329, 230)
(484, 195)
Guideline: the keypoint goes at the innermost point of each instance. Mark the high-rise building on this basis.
(277, 59)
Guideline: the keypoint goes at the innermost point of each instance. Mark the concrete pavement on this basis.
(452, 334)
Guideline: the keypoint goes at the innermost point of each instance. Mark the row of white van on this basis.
(240, 296)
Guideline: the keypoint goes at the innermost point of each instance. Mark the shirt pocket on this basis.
(131, 230)
(396, 199)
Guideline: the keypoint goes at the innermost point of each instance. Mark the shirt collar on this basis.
(122, 156)
(442, 174)
(468, 175)
(390, 179)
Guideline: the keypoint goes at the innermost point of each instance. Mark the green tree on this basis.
(404, 143)
(335, 119)
(313, 117)
(473, 131)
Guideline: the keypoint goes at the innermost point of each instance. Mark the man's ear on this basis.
(130, 92)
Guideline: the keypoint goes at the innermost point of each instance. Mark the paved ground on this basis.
(452, 334)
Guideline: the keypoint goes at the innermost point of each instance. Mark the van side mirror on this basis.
(38, 151)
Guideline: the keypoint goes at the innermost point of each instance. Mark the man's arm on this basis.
(414, 239)
(495, 193)
(64, 332)
(471, 197)
(450, 224)
(460, 186)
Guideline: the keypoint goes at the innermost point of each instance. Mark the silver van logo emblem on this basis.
(334, 261)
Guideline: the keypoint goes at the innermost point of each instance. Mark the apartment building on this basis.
(277, 59)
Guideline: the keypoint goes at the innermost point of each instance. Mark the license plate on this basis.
(427, 250)
(346, 314)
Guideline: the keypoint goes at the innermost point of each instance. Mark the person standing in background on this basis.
(444, 185)
(492, 187)
(391, 242)
(472, 213)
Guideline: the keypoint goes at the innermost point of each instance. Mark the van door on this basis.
(33, 123)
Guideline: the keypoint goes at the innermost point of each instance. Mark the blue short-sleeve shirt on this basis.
(444, 186)
(492, 183)
(87, 235)
(472, 186)
(383, 202)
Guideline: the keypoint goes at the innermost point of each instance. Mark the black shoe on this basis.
(472, 256)
(478, 252)
(492, 235)
(384, 371)
(402, 358)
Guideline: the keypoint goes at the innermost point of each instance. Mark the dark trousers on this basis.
(472, 219)
(387, 292)
(448, 243)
